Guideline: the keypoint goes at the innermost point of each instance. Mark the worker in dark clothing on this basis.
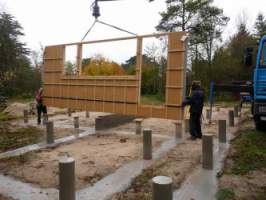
(41, 108)
(196, 102)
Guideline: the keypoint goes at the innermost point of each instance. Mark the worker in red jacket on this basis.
(41, 108)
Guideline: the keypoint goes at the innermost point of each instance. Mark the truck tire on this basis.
(260, 125)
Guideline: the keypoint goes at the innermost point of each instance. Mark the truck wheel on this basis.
(260, 125)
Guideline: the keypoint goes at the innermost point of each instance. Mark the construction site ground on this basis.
(101, 154)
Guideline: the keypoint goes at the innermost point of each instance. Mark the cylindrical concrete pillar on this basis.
(138, 126)
(162, 188)
(45, 119)
(207, 151)
(236, 110)
(67, 179)
(222, 131)
(231, 118)
(76, 122)
(208, 113)
(26, 116)
(178, 130)
(186, 127)
(87, 114)
(147, 144)
(49, 132)
(69, 112)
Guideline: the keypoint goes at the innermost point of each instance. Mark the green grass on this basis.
(250, 152)
(6, 117)
(152, 99)
(21, 99)
(19, 138)
(225, 194)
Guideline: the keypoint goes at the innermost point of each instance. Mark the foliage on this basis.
(260, 26)
(225, 194)
(179, 15)
(16, 74)
(100, 66)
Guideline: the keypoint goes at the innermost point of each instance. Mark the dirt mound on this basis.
(16, 109)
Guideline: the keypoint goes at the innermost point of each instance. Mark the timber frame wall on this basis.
(115, 94)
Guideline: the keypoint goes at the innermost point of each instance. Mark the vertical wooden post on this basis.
(139, 65)
(79, 60)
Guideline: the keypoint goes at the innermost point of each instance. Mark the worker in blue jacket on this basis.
(196, 102)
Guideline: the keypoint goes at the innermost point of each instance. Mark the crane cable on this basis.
(106, 24)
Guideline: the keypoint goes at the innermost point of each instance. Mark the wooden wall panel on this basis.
(116, 94)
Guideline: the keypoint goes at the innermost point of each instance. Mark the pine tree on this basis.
(260, 26)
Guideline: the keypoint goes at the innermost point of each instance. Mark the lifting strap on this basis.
(106, 24)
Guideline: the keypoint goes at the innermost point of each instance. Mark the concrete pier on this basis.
(76, 122)
(67, 179)
(231, 118)
(49, 132)
(69, 112)
(162, 188)
(222, 131)
(87, 114)
(26, 116)
(138, 126)
(207, 151)
(186, 125)
(147, 144)
(178, 130)
(236, 111)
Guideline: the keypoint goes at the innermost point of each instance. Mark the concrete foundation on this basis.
(110, 121)
(49, 132)
(178, 130)
(138, 126)
(45, 119)
(147, 144)
(207, 151)
(162, 188)
(231, 118)
(236, 110)
(69, 112)
(76, 122)
(87, 114)
(26, 116)
(186, 125)
(67, 179)
(222, 131)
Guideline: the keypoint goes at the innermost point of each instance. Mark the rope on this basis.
(106, 24)
(89, 29)
(115, 27)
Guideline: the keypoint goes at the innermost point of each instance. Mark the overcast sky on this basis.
(62, 21)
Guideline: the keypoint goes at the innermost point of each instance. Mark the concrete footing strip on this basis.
(34, 147)
(202, 184)
(103, 189)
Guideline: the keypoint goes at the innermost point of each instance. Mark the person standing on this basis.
(196, 102)
(41, 108)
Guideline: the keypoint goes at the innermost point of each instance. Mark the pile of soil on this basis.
(16, 109)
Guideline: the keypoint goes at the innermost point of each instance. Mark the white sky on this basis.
(62, 21)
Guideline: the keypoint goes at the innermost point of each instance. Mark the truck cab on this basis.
(259, 87)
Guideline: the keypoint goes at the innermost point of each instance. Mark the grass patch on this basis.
(14, 139)
(250, 152)
(152, 99)
(225, 194)
(20, 99)
(6, 117)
